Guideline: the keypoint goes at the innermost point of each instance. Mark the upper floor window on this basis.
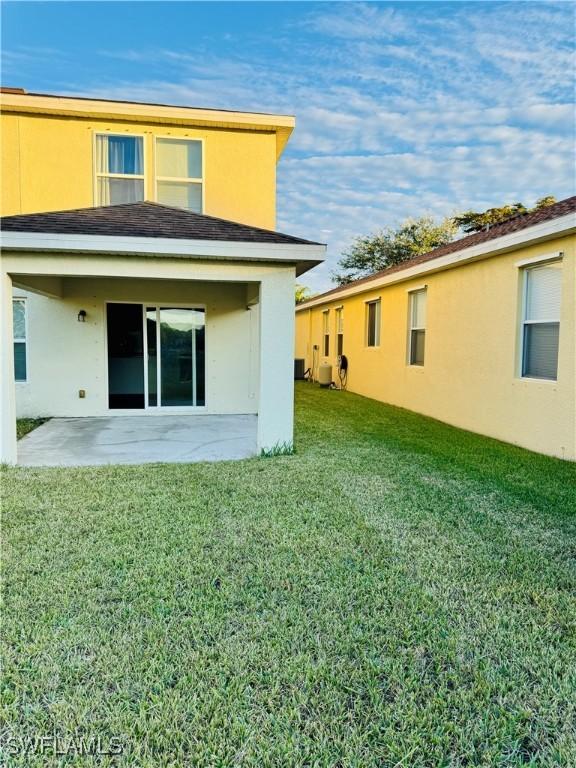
(119, 169)
(541, 321)
(339, 331)
(179, 173)
(326, 331)
(19, 335)
(373, 323)
(417, 337)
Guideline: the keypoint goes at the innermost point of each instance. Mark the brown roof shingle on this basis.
(144, 219)
(514, 224)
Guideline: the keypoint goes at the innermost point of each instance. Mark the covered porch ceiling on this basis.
(135, 288)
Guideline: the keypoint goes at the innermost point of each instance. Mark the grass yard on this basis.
(398, 593)
(23, 426)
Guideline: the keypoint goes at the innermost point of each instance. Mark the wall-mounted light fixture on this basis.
(82, 316)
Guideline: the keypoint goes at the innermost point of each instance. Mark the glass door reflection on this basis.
(181, 359)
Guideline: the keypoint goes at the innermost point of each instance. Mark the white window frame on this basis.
(24, 341)
(326, 333)
(339, 328)
(99, 175)
(179, 179)
(526, 267)
(411, 303)
(377, 322)
(155, 409)
(541, 259)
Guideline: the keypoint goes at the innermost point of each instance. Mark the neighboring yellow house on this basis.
(479, 333)
(140, 270)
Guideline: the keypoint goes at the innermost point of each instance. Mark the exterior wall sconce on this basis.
(82, 316)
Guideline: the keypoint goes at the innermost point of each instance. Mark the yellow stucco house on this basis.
(479, 333)
(141, 273)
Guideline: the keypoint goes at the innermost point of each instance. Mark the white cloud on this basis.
(388, 188)
(359, 20)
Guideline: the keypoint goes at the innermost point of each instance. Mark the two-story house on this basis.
(141, 273)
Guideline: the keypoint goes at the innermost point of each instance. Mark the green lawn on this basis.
(398, 593)
(23, 426)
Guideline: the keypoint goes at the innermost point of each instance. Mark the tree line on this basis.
(390, 246)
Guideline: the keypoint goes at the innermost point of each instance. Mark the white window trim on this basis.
(411, 294)
(201, 181)
(22, 341)
(542, 258)
(325, 332)
(98, 175)
(339, 319)
(378, 323)
(338, 327)
(525, 267)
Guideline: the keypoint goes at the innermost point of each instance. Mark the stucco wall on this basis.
(65, 356)
(471, 374)
(47, 165)
(249, 350)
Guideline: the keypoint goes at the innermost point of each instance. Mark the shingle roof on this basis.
(144, 219)
(71, 97)
(514, 224)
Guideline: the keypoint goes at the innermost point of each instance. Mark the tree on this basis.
(544, 202)
(474, 221)
(302, 293)
(372, 253)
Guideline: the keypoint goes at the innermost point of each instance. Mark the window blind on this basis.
(179, 173)
(541, 326)
(419, 309)
(179, 159)
(543, 293)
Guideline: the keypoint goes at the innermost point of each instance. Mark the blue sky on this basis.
(402, 108)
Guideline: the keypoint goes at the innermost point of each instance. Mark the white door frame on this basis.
(154, 409)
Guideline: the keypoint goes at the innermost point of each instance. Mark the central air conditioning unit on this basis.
(299, 368)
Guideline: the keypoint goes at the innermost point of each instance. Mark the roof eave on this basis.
(547, 230)
(281, 125)
(303, 256)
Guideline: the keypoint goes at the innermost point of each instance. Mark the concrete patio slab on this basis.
(138, 440)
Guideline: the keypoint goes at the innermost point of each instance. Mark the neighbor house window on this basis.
(417, 327)
(19, 333)
(373, 323)
(119, 169)
(326, 331)
(541, 321)
(179, 173)
(339, 331)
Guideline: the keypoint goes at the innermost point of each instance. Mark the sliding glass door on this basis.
(175, 353)
(171, 363)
